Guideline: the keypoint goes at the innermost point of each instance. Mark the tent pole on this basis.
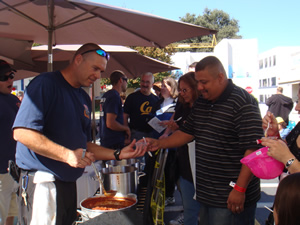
(93, 111)
(50, 36)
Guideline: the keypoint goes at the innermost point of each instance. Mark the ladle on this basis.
(109, 193)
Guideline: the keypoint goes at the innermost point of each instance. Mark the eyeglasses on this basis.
(183, 90)
(125, 78)
(5, 77)
(100, 52)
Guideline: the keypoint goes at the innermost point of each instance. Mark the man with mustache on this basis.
(138, 106)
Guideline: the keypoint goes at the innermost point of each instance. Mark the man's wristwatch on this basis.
(117, 153)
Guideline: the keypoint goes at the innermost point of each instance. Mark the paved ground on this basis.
(268, 191)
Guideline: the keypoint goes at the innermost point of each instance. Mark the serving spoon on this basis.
(110, 193)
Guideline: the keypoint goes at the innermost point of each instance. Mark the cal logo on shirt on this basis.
(86, 111)
(145, 108)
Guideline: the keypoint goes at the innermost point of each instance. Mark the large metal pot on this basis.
(124, 162)
(123, 179)
(108, 204)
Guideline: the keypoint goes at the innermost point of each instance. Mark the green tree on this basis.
(212, 19)
(162, 54)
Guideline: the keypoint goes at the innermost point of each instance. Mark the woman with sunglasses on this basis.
(188, 93)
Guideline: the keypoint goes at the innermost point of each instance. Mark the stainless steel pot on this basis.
(87, 212)
(123, 179)
(125, 162)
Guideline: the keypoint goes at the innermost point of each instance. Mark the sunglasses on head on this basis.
(99, 52)
(5, 77)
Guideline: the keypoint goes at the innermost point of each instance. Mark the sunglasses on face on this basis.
(99, 52)
(5, 77)
(125, 78)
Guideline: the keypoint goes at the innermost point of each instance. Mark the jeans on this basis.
(191, 207)
(223, 216)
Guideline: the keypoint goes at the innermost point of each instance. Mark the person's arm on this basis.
(126, 117)
(236, 199)
(177, 139)
(41, 145)
(128, 152)
(113, 124)
(171, 127)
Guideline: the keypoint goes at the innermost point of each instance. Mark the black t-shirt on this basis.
(182, 152)
(139, 106)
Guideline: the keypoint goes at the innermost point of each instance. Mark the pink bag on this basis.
(262, 165)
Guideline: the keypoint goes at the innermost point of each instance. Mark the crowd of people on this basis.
(209, 125)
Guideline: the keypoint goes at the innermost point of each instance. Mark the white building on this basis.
(239, 57)
(279, 66)
(261, 73)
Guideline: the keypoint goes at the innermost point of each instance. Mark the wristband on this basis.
(236, 187)
(289, 163)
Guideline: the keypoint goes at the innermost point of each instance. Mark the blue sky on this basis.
(272, 22)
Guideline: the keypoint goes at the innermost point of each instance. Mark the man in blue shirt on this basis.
(53, 129)
(9, 108)
(112, 129)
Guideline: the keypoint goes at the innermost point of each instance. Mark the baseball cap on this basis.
(279, 119)
(262, 165)
(5, 67)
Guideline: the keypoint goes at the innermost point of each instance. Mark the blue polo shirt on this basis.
(111, 103)
(59, 111)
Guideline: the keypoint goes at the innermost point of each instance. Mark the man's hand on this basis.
(153, 144)
(130, 151)
(79, 158)
(235, 201)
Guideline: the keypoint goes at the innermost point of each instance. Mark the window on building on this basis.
(273, 81)
(270, 61)
(269, 83)
(274, 60)
(261, 64)
(261, 98)
(260, 83)
(266, 62)
(264, 84)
